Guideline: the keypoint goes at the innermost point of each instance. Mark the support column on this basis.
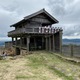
(16, 41)
(49, 43)
(60, 36)
(53, 43)
(35, 45)
(21, 41)
(42, 42)
(28, 43)
(12, 41)
(46, 45)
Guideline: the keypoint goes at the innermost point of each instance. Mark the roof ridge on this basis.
(37, 13)
(42, 10)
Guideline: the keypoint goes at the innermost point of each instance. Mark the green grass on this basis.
(47, 60)
(60, 74)
(40, 65)
(36, 61)
(22, 77)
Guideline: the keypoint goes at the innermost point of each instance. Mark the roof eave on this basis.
(14, 25)
(39, 12)
(34, 14)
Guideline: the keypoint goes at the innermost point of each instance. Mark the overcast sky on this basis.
(66, 11)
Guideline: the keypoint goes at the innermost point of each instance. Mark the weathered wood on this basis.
(60, 36)
(20, 41)
(16, 41)
(35, 43)
(40, 30)
(41, 20)
(38, 24)
(46, 45)
(71, 49)
(49, 43)
(43, 42)
(12, 41)
(28, 43)
(53, 44)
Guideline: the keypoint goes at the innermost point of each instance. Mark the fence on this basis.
(71, 50)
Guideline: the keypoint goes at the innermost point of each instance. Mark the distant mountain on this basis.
(64, 41)
(71, 41)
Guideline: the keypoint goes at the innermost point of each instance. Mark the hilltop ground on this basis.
(40, 65)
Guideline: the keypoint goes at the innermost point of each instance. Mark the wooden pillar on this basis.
(71, 50)
(21, 41)
(42, 42)
(16, 41)
(35, 45)
(28, 43)
(60, 37)
(49, 43)
(46, 45)
(12, 41)
(53, 43)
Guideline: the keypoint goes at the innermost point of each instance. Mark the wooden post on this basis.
(28, 43)
(49, 43)
(53, 43)
(21, 41)
(12, 41)
(16, 41)
(71, 49)
(35, 45)
(60, 37)
(42, 42)
(46, 45)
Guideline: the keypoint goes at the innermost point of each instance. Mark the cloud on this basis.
(66, 11)
(12, 11)
(5, 39)
(68, 14)
(6, 19)
(23, 7)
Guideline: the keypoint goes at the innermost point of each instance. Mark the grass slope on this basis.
(38, 66)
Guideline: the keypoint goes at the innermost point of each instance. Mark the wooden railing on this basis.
(41, 30)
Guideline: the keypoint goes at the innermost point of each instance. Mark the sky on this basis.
(67, 12)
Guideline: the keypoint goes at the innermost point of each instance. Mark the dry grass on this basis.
(38, 66)
(23, 68)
